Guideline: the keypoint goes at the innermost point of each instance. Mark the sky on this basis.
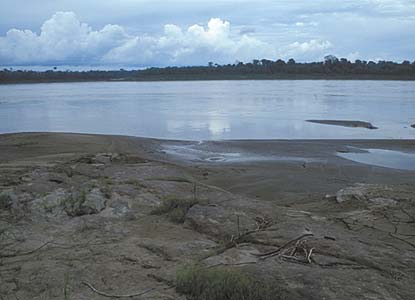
(145, 33)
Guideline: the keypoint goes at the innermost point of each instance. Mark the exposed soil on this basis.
(84, 210)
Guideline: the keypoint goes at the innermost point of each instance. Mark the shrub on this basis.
(5, 201)
(74, 202)
(222, 283)
(175, 208)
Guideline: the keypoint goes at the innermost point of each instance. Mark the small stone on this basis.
(330, 197)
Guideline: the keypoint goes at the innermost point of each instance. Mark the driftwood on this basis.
(114, 295)
(291, 250)
(262, 224)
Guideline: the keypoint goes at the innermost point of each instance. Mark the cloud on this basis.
(374, 28)
(314, 49)
(63, 39)
(195, 45)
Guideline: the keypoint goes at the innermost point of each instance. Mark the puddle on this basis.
(383, 158)
(192, 153)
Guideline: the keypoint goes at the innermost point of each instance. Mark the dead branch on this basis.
(278, 250)
(114, 295)
(309, 255)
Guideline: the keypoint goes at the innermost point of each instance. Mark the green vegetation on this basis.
(65, 287)
(330, 68)
(137, 184)
(175, 208)
(5, 201)
(74, 202)
(222, 283)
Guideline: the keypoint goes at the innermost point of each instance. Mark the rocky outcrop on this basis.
(349, 194)
(85, 203)
(89, 218)
(369, 195)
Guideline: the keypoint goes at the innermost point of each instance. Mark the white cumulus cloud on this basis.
(63, 39)
(313, 49)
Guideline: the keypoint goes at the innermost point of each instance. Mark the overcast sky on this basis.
(141, 33)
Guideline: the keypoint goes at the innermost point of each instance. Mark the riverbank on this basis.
(126, 214)
(212, 77)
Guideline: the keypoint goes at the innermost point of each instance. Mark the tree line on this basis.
(330, 68)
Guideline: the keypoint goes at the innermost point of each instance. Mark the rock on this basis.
(81, 203)
(330, 197)
(217, 220)
(413, 125)
(371, 195)
(355, 193)
(234, 256)
(102, 158)
(49, 204)
(105, 158)
(94, 202)
(383, 201)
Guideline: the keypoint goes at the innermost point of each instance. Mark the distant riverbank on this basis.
(256, 70)
(57, 77)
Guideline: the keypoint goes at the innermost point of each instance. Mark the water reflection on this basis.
(211, 110)
(383, 158)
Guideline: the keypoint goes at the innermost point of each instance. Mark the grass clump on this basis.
(134, 182)
(220, 283)
(73, 203)
(5, 201)
(175, 208)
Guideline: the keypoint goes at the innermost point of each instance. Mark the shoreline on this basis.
(322, 151)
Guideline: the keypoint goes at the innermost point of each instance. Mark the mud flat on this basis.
(344, 123)
(87, 215)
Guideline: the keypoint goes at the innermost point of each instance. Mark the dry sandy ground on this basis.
(79, 209)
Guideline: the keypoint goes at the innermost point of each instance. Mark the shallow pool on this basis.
(383, 158)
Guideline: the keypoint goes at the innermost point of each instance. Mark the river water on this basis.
(212, 110)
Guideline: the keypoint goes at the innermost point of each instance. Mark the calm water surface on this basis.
(383, 158)
(203, 110)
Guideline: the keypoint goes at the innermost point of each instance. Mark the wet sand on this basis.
(286, 170)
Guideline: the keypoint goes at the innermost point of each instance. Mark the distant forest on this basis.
(330, 68)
